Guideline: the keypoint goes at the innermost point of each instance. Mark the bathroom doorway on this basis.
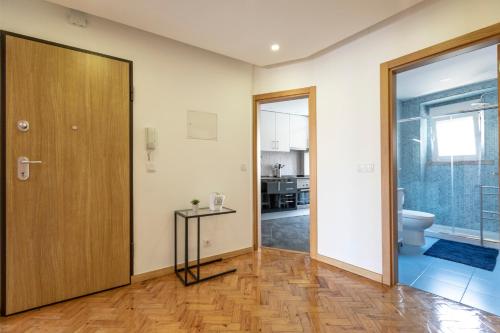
(446, 185)
(285, 173)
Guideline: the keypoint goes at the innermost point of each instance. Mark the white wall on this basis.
(170, 78)
(347, 80)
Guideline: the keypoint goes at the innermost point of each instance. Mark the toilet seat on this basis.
(413, 214)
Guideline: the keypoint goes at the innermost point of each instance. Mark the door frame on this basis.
(3, 149)
(472, 41)
(310, 93)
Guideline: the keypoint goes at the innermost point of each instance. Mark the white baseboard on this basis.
(350, 268)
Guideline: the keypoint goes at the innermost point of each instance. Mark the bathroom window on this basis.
(456, 137)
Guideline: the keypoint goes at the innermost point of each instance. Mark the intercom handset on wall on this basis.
(151, 144)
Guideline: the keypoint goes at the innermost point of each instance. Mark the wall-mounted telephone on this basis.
(151, 138)
(151, 143)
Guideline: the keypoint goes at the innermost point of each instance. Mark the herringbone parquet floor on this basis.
(272, 291)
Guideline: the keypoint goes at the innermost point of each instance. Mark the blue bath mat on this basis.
(472, 255)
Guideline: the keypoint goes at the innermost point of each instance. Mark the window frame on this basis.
(478, 123)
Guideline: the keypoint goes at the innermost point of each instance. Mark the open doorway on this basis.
(439, 113)
(285, 173)
(447, 177)
(284, 167)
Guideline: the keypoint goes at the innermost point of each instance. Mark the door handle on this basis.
(23, 167)
(31, 162)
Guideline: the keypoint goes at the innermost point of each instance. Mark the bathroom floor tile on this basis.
(453, 266)
(411, 250)
(418, 260)
(482, 301)
(447, 276)
(413, 263)
(487, 275)
(429, 241)
(471, 286)
(488, 287)
(409, 272)
(418, 250)
(408, 278)
(440, 288)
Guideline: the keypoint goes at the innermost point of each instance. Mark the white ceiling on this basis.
(245, 29)
(294, 106)
(471, 67)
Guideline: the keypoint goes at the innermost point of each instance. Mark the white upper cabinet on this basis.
(299, 132)
(282, 132)
(267, 131)
(274, 131)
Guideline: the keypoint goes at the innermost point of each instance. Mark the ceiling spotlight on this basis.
(275, 47)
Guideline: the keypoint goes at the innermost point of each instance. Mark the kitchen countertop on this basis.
(284, 177)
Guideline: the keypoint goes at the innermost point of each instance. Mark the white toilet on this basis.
(414, 223)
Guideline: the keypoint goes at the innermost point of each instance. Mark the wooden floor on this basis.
(272, 291)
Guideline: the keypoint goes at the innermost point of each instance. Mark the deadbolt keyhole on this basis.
(23, 125)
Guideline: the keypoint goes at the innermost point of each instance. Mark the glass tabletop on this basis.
(205, 211)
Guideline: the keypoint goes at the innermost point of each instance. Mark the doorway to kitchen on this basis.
(284, 164)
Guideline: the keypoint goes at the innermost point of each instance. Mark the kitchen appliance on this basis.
(302, 193)
(277, 169)
(302, 183)
(278, 194)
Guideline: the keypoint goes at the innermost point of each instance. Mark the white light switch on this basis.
(243, 167)
(366, 168)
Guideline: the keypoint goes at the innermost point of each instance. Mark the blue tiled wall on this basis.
(451, 192)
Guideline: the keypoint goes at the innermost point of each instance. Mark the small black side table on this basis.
(190, 214)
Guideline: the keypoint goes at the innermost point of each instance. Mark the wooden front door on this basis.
(67, 225)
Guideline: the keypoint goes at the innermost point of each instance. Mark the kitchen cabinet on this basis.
(274, 131)
(299, 132)
(267, 131)
(282, 132)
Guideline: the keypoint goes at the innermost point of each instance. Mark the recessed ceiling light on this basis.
(275, 47)
(446, 79)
